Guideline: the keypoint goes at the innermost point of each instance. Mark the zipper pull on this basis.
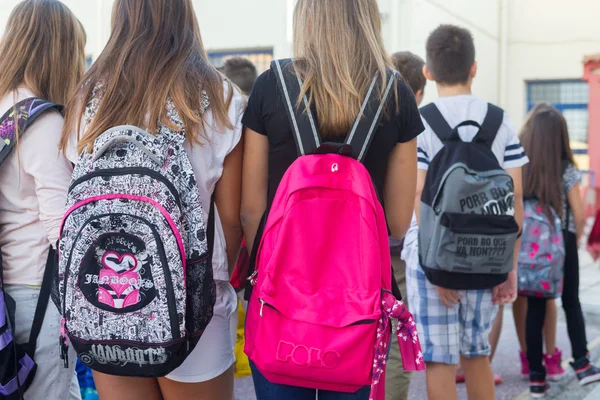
(252, 278)
(262, 306)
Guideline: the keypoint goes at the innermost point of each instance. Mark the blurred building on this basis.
(528, 50)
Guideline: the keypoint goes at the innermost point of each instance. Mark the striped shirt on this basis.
(456, 109)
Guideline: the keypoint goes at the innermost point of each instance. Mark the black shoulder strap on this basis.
(43, 300)
(369, 118)
(27, 112)
(491, 125)
(302, 122)
(436, 121)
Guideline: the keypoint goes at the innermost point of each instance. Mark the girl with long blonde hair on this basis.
(154, 74)
(339, 50)
(43, 59)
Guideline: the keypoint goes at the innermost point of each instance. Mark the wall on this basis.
(409, 23)
(241, 24)
(548, 40)
(93, 14)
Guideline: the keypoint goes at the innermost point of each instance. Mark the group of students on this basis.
(460, 329)
(164, 164)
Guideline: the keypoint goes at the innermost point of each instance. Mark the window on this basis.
(570, 97)
(261, 58)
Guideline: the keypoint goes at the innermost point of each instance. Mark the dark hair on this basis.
(410, 67)
(450, 54)
(545, 138)
(242, 72)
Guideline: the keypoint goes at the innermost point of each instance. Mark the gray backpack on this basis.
(467, 229)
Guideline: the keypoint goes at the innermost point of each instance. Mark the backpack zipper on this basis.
(263, 304)
(128, 171)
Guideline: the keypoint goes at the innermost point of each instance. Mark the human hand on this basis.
(449, 297)
(506, 293)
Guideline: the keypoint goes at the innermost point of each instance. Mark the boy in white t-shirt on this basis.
(455, 325)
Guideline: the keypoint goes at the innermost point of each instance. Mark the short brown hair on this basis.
(410, 67)
(242, 72)
(450, 54)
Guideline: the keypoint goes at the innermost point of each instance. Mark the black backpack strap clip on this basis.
(490, 126)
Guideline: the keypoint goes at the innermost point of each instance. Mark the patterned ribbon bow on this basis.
(408, 339)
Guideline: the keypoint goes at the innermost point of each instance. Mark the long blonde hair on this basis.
(43, 49)
(339, 48)
(155, 53)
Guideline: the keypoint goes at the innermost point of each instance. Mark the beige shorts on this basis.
(52, 380)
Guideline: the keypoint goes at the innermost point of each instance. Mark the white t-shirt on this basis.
(207, 161)
(456, 109)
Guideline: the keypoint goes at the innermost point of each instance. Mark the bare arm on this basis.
(507, 292)
(576, 210)
(227, 199)
(517, 176)
(400, 186)
(421, 175)
(254, 183)
(50, 170)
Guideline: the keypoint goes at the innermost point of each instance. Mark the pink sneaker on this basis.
(554, 369)
(524, 365)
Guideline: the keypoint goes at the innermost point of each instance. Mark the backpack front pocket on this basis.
(477, 244)
(314, 354)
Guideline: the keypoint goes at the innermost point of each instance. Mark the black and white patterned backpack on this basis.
(135, 275)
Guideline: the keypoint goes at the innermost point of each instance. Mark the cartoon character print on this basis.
(121, 272)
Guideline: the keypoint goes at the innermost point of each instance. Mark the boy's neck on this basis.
(453, 90)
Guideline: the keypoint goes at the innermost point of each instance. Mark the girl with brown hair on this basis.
(42, 57)
(552, 178)
(339, 49)
(154, 71)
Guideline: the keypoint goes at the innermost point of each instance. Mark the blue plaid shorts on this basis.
(448, 333)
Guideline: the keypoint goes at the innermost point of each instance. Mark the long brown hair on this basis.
(545, 138)
(43, 49)
(155, 53)
(339, 48)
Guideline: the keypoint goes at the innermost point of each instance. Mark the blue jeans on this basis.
(266, 390)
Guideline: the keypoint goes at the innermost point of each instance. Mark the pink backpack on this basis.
(320, 310)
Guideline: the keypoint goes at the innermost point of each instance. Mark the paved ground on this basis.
(507, 363)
